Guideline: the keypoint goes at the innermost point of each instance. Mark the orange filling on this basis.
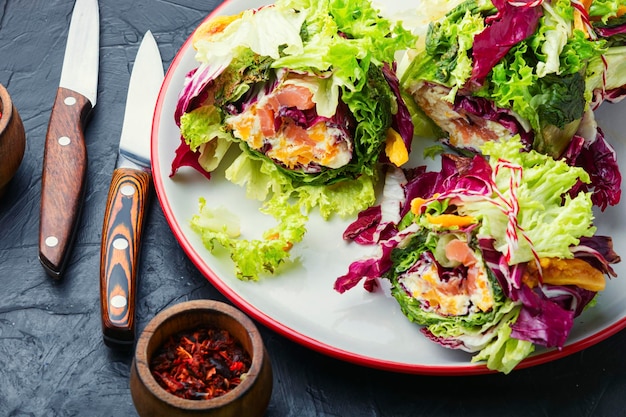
(565, 272)
(290, 143)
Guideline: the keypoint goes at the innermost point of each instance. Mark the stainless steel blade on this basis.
(81, 60)
(143, 90)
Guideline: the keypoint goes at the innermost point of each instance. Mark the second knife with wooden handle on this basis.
(128, 199)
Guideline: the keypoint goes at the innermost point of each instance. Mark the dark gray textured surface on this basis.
(52, 359)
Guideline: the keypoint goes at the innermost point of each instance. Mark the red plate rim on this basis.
(300, 338)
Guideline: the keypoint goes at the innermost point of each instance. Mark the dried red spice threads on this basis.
(200, 364)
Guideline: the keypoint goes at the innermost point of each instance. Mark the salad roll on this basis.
(305, 94)
(486, 255)
(489, 69)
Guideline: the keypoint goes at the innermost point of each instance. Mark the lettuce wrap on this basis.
(485, 255)
(537, 69)
(306, 95)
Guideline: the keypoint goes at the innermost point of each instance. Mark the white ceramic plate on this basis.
(300, 303)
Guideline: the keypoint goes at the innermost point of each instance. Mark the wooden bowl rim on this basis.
(6, 108)
(142, 362)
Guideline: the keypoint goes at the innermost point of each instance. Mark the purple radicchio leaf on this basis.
(599, 159)
(511, 25)
(402, 121)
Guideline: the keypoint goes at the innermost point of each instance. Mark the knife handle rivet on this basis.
(120, 243)
(69, 101)
(127, 190)
(64, 141)
(52, 241)
(118, 301)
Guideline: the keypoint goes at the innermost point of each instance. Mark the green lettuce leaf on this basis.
(263, 31)
(504, 352)
(335, 36)
(218, 228)
(341, 199)
(608, 71)
(548, 216)
(204, 132)
(203, 125)
(604, 9)
(450, 42)
(245, 69)
(262, 179)
(561, 101)
(259, 177)
(446, 57)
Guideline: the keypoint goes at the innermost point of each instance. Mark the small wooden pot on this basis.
(12, 139)
(249, 399)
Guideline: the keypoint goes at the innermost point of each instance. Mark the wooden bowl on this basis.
(249, 399)
(12, 139)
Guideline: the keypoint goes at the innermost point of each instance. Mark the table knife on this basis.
(65, 154)
(127, 200)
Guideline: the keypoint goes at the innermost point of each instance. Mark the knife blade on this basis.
(65, 154)
(128, 199)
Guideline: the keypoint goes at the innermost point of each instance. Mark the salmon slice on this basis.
(266, 120)
(459, 251)
(297, 135)
(291, 95)
(295, 96)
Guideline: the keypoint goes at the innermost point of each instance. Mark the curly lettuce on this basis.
(252, 257)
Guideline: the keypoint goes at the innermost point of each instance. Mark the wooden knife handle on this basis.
(63, 179)
(119, 258)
